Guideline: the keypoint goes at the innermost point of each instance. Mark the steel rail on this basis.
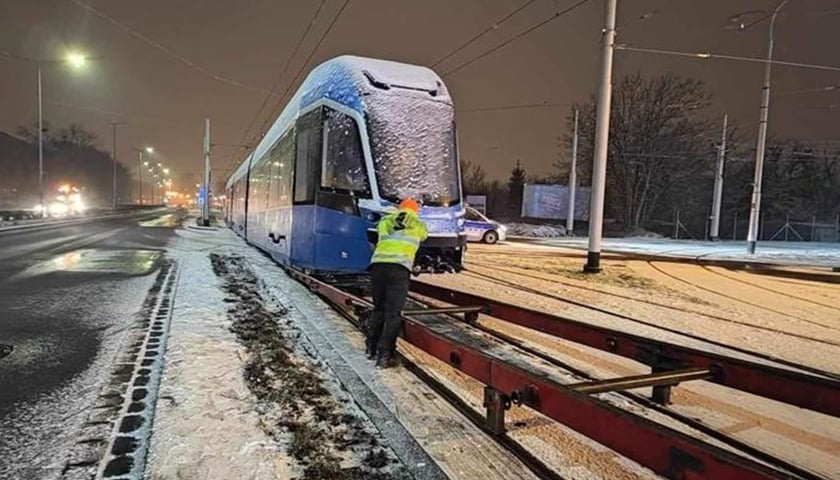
(664, 450)
(646, 402)
(806, 391)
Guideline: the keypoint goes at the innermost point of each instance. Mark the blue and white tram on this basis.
(359, 135)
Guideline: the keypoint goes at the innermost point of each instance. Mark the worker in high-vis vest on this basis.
(400, 234)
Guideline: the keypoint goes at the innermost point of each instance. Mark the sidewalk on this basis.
(293, 397)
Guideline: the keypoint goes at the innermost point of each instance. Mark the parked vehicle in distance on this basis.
(479, 228)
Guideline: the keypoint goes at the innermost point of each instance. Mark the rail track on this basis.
(571, 301)
(772, 290)
(809, 274)
(736, 299)
(639, 400)
(510, 380)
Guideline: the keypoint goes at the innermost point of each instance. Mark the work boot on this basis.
(370, 351)
(385, 360)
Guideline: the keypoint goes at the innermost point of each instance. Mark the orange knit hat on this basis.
(410, 204)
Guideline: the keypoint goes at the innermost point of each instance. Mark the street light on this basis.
(140, 164)
(761, 142)
(76, 60)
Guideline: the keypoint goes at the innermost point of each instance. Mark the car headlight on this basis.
(58, 208)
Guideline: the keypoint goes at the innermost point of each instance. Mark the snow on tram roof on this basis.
(346, 79)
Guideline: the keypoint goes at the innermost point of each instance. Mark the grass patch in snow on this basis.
(294, 402)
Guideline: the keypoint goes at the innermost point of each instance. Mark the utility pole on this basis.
(140, 177)
(205, 200)
(718, 194)
(602, 134)
(570, 213)
(114, 126)
(40, 146)
(755, 204)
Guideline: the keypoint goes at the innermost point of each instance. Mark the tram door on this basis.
(309, 140)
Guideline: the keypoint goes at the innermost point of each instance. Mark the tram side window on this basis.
(343, 168)
(263, 179)
(281, 159)
(308, 156)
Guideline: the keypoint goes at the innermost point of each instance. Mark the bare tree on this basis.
(473, 178)
(74, 134)
(658, 143)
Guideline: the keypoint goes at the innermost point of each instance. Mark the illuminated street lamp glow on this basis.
(150, 150)
(166, 171)
(76, 59)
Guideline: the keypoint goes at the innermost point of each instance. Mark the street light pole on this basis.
(602, 133)
(717, 199)
(570, 212)
(114, 126)
(40, 144)
(140, 177)
(755, 204)
(205, 205)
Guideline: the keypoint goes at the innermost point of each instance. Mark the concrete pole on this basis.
(755, 204)
(570, 213)
(140, 177)
(40, 146)
(602, 133)
(114, 164)
(205, 206)
(718, 194)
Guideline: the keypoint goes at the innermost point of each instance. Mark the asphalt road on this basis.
(66, 295)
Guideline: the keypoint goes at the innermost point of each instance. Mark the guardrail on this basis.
(35, 224)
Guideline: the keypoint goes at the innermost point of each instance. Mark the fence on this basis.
(734, 226)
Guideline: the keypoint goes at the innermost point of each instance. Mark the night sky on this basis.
(164, 101)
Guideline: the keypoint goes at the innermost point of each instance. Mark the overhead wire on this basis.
(283, 70)
(516, 37)
(709, 56)
(282, 97)
(523, 106)
(487, 30)
(168, 51)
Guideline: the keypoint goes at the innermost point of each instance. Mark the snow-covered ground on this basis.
(780, 253)
(210, 424)
(796, 321)
(534, 231)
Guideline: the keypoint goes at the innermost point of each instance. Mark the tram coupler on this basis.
(496, 403)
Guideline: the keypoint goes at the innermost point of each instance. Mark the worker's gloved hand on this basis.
(399, 223)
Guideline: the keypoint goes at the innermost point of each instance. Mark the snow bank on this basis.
(642, 233)
(535, 231)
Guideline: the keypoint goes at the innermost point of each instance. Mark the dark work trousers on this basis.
(389, 283)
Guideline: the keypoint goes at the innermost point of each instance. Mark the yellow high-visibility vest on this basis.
(400, 235)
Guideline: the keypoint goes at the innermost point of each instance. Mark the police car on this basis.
(481, 229)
